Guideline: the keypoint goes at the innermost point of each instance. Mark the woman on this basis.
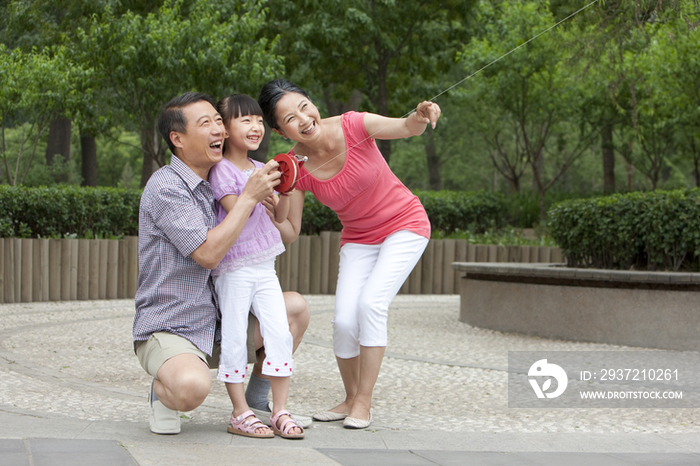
(385, 227)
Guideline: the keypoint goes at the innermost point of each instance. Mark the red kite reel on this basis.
(289, 167)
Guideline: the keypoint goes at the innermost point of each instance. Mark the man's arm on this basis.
(220, 238)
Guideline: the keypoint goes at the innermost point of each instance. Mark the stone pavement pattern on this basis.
(67, 371)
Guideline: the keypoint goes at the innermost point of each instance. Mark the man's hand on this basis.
(220, 238)
(262, 182)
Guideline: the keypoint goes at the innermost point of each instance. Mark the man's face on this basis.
(202, 144)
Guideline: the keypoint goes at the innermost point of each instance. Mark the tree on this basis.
(614, 35)
(144, 61)
(673, 79)
(535, 92)
(380, 48)
(39, 24)
(35, 88)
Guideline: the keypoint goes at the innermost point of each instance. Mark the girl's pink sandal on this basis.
(287, 425)
(246, 424)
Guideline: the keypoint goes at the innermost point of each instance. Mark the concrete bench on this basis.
(644, 309)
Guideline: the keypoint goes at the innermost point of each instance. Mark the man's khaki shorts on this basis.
(162, 346)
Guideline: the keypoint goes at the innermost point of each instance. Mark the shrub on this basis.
(653, 230)
(448, 211)
(60, 211)
(523, 209)
(317, 217)
(476, 212)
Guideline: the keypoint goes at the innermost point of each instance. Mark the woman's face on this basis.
(245, 133)
(297, 117)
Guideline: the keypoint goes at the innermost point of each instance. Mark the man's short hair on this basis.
(173, 119)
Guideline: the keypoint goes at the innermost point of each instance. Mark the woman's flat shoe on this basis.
(354, 423)
(328, 416)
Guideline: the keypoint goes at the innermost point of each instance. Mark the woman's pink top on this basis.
(369, 199)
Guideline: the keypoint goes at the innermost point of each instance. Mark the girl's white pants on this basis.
(253, 289)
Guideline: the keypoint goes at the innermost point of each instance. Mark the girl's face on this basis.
(245, 133)
(297, 117)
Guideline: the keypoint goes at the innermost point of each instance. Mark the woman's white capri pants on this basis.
(369, 277)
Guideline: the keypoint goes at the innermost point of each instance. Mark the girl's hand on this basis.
(428, 112)
(270, 203)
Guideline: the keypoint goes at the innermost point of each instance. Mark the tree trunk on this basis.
(59, 144)
(434, 179)
(385, 148)
(630, 173)
(696, 162)
(147, 169)
(59, 140)
(88, 152)
(261, 154)
(608, 159)
(543, 210)
(383, 107)
(514, 185)
(539, 166)
(153, 152)
(338, 107)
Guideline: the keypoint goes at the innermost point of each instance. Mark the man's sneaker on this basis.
(264, 416)
(162, 420)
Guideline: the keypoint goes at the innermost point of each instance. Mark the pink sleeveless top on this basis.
(371, 202)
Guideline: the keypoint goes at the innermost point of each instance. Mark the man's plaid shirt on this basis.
(175, 294)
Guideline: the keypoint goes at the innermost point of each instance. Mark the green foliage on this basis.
(653, 230)
(460, 210)
(523, 210)
(503, 237)
(143, 61)
(317, 217)
(35, 88)
(531, 117)
(42, 174)
(60, 211)
(393, 52)
(68, 211)
(632, 67)
(119, 159)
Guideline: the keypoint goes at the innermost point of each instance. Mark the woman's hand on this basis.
(380, 127)
(428, 112)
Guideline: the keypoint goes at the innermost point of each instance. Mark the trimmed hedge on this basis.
(447, 210)
(71, 211)
(317, 217)
(476, 212)
(68, 211)
(655, 230)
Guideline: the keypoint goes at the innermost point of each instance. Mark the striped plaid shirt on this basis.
(175, 294)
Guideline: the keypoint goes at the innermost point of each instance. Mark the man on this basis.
(175, 327)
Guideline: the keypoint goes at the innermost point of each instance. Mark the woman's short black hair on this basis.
(271, 93)
(172, 119)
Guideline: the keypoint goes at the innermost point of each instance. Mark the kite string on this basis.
(458, 83)
(516, 48)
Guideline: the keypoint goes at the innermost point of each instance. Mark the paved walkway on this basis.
(72, 392)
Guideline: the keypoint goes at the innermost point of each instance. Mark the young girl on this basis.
(385, 228)
(246, 279)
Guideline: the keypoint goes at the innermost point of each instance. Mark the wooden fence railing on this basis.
(33, 270)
